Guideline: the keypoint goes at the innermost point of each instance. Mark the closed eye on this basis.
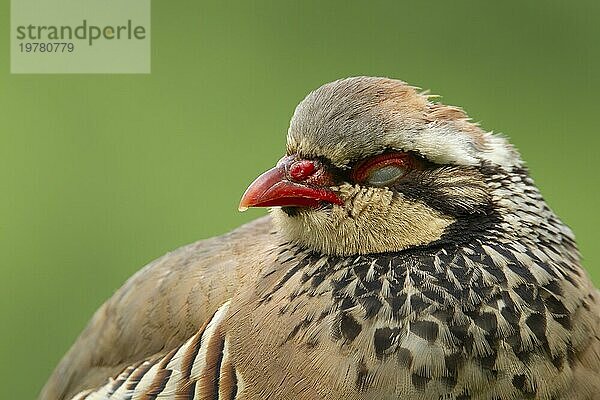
(385, 175)
(384, 169)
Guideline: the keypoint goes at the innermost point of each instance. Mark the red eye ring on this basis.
(360, 173)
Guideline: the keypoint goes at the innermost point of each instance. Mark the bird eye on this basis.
(385, 175)
(384, 169)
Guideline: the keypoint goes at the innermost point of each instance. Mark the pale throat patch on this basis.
(372, 220)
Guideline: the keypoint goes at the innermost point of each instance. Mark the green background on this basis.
(100, 174)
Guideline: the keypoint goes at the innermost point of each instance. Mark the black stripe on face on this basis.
(453, 191)
(458, 192)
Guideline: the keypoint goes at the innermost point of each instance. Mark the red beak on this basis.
(276, 188)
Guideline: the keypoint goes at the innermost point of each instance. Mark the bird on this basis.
(407, 254)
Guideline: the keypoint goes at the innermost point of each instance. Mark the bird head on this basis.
(373, 165)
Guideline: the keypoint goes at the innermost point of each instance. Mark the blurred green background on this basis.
(100, 174)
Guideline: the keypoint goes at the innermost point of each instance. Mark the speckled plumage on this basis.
(454, 282)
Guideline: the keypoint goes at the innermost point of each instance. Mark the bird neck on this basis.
(521, 214)
(478, 257)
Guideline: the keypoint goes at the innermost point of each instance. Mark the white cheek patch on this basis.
(499, 151)
(444, 144)
(439, 142)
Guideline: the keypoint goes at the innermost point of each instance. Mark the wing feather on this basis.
(157, 309)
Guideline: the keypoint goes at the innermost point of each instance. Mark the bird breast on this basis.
(426, 322)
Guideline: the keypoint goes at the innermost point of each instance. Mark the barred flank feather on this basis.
(200, 370)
